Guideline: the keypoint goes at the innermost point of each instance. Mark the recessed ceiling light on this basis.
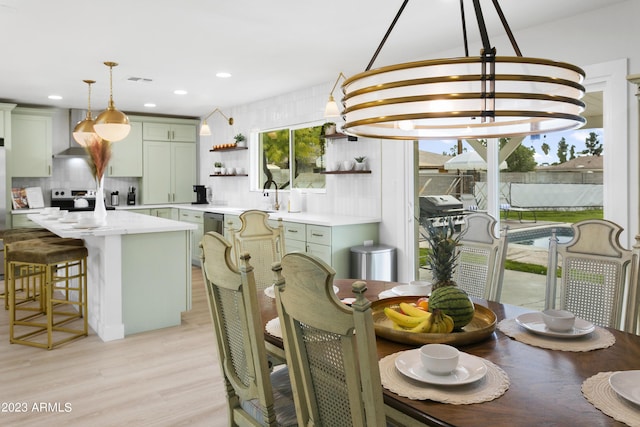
(150, 105)
(223, 75)
(180, 92)
(56, 97)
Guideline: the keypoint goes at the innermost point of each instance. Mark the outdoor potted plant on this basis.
(217, 168)
(360, 163)
(241, 140)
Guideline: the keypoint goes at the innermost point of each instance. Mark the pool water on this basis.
(539, 237)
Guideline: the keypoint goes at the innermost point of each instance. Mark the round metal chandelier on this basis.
(487, 96)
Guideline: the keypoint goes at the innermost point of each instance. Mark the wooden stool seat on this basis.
(59, 267)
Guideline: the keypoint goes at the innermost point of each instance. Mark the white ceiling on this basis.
(270, 47)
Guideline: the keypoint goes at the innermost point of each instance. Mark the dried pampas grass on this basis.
(99, 155)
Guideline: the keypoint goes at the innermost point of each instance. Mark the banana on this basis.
(424, 326)
(402, 319)
(413, 311)
(442, 323)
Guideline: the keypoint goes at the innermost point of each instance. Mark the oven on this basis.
(65, 199)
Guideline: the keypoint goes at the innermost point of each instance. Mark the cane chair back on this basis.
(330, 347)
(595, 275)
(265, 243)
(481, 257)
(254, 396)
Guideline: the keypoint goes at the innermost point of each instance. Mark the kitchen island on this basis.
(139, 271)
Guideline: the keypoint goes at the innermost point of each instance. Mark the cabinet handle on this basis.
(292, 231)
(317, 235)
(110, 170)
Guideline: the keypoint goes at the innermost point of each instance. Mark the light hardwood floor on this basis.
(168, 377)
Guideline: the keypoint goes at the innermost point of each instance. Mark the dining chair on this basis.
(264, 242)
(596, 270)
(255, 397)
(481, 257)
(330, 347)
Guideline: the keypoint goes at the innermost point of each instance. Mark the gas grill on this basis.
(440, 208)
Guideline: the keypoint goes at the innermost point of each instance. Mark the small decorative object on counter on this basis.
(241, 141)
(361, 163)
(99, 152)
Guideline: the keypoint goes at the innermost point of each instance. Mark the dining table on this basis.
(544, 385)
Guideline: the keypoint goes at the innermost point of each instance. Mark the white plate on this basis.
(68, 220)
(470, 369)
(533, 322)
(85, 226)
(411, 290)
(270, 292)
(627, 385)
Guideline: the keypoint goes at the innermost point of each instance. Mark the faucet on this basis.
(267, 185)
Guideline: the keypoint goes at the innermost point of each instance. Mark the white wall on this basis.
(608, 35)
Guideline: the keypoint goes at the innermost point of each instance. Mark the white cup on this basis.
(558, 320)
(347, 165)
(439, 359)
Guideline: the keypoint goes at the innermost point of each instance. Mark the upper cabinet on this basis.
(31, 142)
(126, 155)
(169, 132)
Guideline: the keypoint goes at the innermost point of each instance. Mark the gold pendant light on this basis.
(84, 133)
(112, 124)
(485, 96)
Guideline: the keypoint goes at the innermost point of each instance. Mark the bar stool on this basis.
(60, 266)
(13, 235)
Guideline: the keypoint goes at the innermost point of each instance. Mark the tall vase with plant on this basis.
(99, 152)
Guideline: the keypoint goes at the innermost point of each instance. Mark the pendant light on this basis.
(84, 133)
(487, 96)
(112, 124)
(205, 130)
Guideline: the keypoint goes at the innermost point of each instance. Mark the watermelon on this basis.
(453, 302)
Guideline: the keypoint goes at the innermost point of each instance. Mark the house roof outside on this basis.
(590, 163)
(429, 160)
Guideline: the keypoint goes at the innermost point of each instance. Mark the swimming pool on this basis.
(539, 237)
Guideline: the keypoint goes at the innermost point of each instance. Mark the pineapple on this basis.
(442, 256)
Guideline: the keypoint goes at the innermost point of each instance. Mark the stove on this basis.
(64, 198)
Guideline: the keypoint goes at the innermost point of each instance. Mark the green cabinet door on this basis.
(126, 155)
(31, 143)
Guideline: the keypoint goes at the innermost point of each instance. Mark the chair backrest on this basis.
(233, 305)
(330, 347)
(595, 275)
(480, 268)
(264, 242)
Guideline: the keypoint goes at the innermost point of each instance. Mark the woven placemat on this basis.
(600, 338)
(599, 393)
(273, 327)
(494, 384)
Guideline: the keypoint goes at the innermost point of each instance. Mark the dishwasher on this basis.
(213, 222)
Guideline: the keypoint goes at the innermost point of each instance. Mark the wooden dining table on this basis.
(545, 385)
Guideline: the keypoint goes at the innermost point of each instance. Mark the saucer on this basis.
(470, 369)
(85, 226)
(411, 290)
(625, 384)
(533, 322)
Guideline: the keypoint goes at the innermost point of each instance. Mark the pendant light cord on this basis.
(384, 39)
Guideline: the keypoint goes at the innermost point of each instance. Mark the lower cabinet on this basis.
(168, 213)
(231, 222)
(331, 244)
(21, 221)
(195, 217)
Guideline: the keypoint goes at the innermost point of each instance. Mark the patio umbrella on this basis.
(469, 160)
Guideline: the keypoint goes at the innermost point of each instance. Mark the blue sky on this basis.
(574, 137)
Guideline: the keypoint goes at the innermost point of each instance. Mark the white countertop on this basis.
(329, 220)
(118, 222)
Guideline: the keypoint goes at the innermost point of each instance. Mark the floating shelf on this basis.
(339, 135)
(343, 172)
(225, 175)
(229, 149)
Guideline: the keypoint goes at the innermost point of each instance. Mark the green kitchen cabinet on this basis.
(30, 153)
(126, 155)
(194, 217)
(169, 132)
(169, 172)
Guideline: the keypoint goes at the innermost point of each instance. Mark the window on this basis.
(292, 158)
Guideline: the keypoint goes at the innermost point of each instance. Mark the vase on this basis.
(100, 211)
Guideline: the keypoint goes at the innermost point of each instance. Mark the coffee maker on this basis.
(201, 195)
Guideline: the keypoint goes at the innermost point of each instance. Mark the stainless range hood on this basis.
(74, 150)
